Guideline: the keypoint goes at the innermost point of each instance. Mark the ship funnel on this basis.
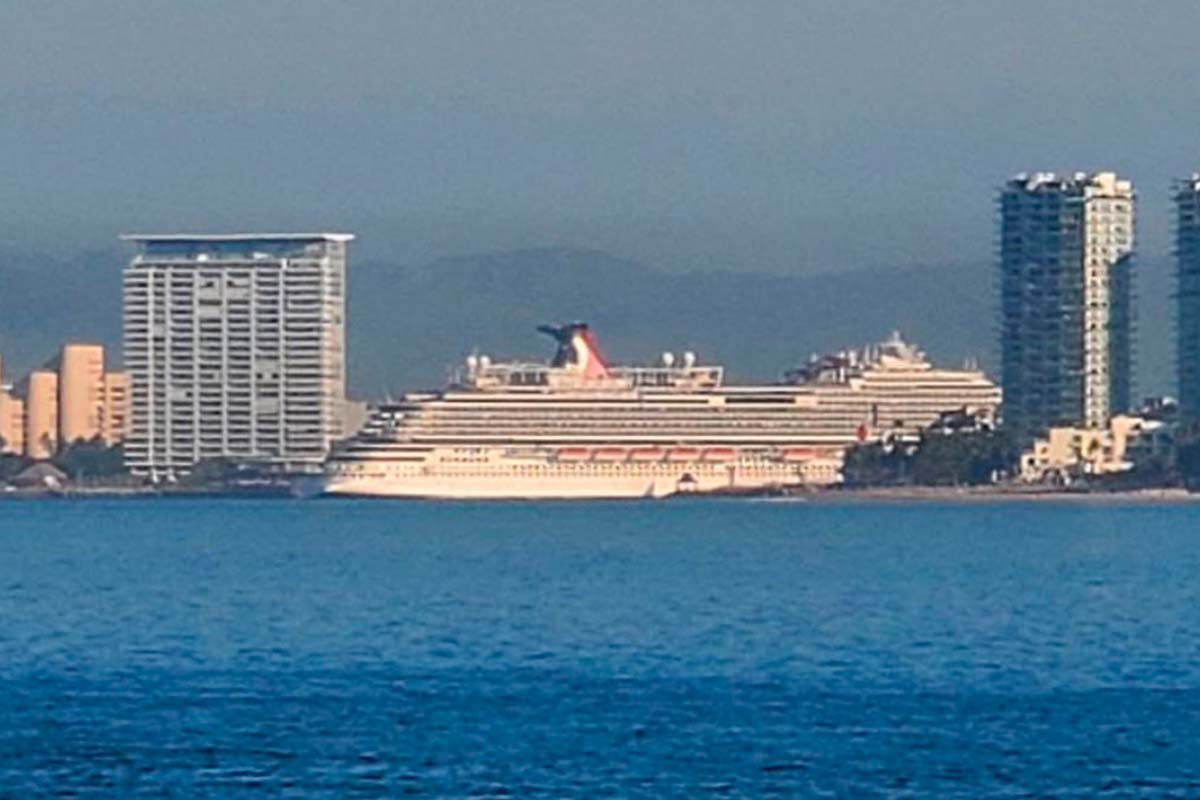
(577, 349)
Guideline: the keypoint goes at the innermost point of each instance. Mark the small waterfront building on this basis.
(1068, 453)
(12, 423)
(42, 475)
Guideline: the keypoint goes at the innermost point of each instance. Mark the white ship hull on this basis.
(558, 482)
(457, 488)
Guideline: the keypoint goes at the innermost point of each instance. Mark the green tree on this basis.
(91, 459)
(963, 459)
(10, 465)
(874, 465)
(1187, 455)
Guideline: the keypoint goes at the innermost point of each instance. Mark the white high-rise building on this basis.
(1066, 257)
(235, 349)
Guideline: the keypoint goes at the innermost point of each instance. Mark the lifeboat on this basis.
(719, 454)
(799, 454)
(683, 454)
(609, 454)
(574, 454)
(646, 454)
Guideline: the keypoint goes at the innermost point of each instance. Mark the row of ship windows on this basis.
(371, 470)
(490, 415)
(485, 425)
(602, 411)
(497, 425)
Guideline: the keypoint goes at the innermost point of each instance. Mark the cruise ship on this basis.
(578, 427)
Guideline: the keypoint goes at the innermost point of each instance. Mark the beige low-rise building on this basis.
(78, 402)
(41, 414)
(1069, 453)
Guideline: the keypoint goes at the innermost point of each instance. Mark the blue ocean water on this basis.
(692, 648)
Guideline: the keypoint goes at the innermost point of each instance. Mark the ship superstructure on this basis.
(579, 427)
(895, 390)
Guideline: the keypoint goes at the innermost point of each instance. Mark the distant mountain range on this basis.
(45, 301)
(410, 326)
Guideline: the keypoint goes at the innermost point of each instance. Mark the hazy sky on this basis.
(789, 136)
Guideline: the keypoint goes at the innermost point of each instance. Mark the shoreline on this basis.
(1003, 494)
(880, 494)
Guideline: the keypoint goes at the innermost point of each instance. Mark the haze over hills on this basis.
(757, 325)
(46, 300)
(410, 326)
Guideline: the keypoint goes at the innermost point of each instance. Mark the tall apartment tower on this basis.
(12, 424)
(1066, 299)
(1187, 293)
(41, 414)
(235, 348)
(12, 419)
(81, 398)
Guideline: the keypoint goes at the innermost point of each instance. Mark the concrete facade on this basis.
(115, 422)
(80, 393)
(41, 415)
(12, 423)
(1187, 294)
(1069, 453)
(79, 402)
(12, 419)
(235, 348)
(1066, 309)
